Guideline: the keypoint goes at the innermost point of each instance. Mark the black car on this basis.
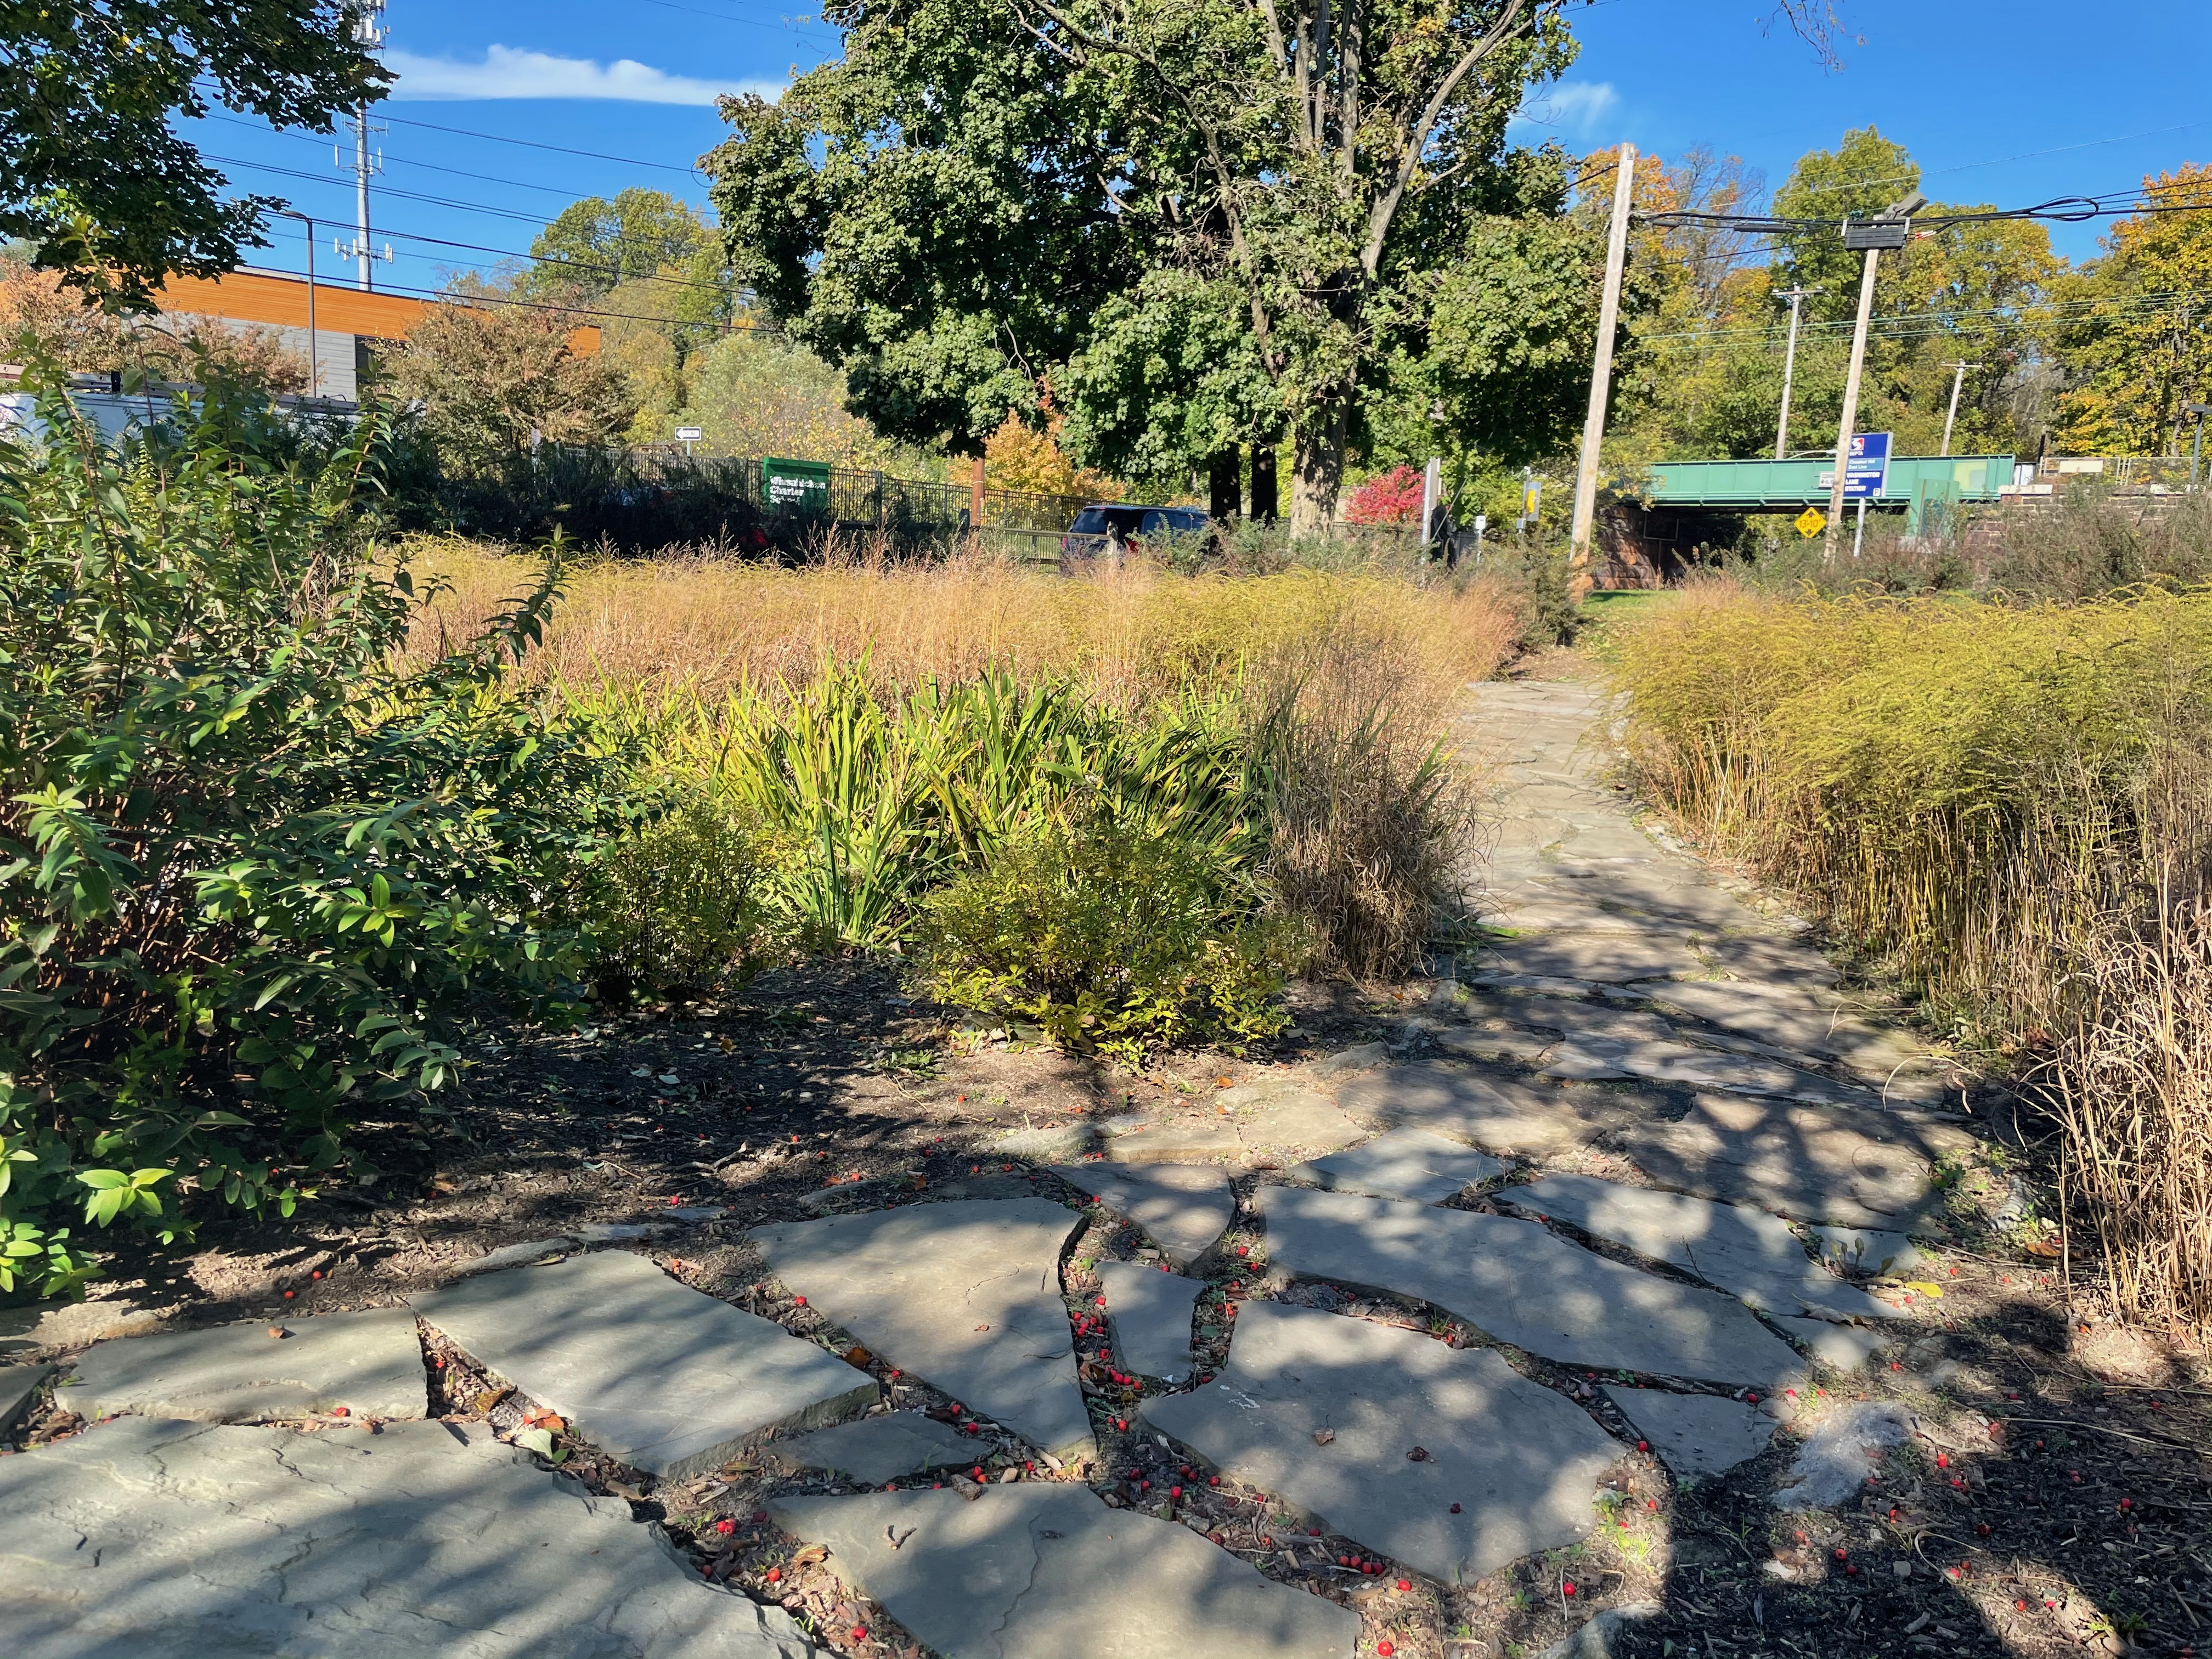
(1095, 527)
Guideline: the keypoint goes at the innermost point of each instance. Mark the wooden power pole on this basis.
(1608, 318)
(1887, 230)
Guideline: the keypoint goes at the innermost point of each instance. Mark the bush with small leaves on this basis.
(250, 856)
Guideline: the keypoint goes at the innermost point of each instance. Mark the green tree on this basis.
(1857, 179)
(596, 244)
(2136, 336)
(1225, 217)
(92, 171)
(493, 378)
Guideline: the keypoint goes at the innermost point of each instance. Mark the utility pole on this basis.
(1797, 296)
(369, 32)
(1958, 381)
(1887, 230)
(1608, 318)
(2196, 450)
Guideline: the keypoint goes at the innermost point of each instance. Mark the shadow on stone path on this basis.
(1607, 1218)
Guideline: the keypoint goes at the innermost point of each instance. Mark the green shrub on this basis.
(1108, 935)
(681, 905)
(248, 862)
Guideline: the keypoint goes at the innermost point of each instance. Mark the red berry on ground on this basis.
(1405, 1584)
(1568, 1588)
(776, 1575)
(798, 1302)
(1385, 1649)
(1643, 1445)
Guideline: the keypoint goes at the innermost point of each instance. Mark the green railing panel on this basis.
(1798, 483)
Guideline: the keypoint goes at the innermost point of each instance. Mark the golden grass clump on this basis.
(712, 625)
(2009, 803)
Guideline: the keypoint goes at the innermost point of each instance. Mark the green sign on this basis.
(798, 486)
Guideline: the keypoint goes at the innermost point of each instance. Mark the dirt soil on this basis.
(2059, 1501)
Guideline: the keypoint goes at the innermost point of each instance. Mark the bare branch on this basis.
(1821, 24)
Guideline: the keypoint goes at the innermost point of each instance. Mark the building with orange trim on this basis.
(345, 320)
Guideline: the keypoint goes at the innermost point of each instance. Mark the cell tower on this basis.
(369, 31)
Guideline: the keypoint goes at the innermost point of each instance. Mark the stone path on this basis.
(1761, 1144)
(965, 1294)
(150, 1538)
(664, 1378)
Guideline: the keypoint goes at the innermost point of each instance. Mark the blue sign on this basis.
(1868, 475)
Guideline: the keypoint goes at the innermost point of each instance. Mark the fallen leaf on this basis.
(1322, 1436)
(538, 1440)
(858, 1356)
(484, 1403)
(1419, 1455)
(1926, 1287)
(2046, 1248)
(810, 1555)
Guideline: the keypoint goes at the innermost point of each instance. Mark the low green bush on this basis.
(249, 861)
(682, 904)
(1107, 935)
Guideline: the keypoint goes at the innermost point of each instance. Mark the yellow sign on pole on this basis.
(1812, 521)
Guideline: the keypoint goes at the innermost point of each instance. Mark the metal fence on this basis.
(861, 496)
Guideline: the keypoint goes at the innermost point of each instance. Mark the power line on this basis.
(405, 195)
(401, 161)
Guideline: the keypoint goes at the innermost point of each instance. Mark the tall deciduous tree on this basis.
(1221, 216)
(92, 171)
(596, 244)
(2138, 338)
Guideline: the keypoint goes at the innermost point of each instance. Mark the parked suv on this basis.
(1097, 526)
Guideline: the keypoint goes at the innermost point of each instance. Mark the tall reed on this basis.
(2008, 803)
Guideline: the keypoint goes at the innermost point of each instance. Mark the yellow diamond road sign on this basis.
(1812, 521)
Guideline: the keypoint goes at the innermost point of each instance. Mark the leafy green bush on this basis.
(247, 861)
(682, 904)
(1108, 935)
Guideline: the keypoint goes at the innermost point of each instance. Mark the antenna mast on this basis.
(369, 32)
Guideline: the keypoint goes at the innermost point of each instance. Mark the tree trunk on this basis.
(1318, 476)
(1265, 498)
(1225, 485)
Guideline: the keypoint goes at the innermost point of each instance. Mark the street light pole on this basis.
(1797, 297)
(290, 213)
(1958, 381)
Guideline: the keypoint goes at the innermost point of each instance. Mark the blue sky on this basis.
(2009, 103)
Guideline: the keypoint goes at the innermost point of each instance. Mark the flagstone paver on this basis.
(1489, 1107)
(1148, 1314)
(1867, 1169)
(1048, 1571)
(1845, 1347)
(1406, 1162)
(1591, 1058)
(1326, 1411)
(879, 1449)
(369, 1363)
(1695, 1435)
(1747, 1252)
(656, 1374)
(965, 1295)
(154, 1537)
(1184, 1208)
(1523, 1285)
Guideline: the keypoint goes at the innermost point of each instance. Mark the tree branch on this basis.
(1518, 16)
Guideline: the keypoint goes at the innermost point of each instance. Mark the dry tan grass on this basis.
(712, 625)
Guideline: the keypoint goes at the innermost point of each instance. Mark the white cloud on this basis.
(1573, 106)
(511, 72)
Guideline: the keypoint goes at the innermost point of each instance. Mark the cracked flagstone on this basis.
(1747, 1252)
(651, 1371)
(151, 1538)
(1184, 1208)
(965, 1295)
(1519, 1462)
(1696, 1435)
(1148, 1313)
(1406, 1162)
(369, 1363)
(1523, 1286)
(1046, 1570)
(1591, 1058)
(879, 1449)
